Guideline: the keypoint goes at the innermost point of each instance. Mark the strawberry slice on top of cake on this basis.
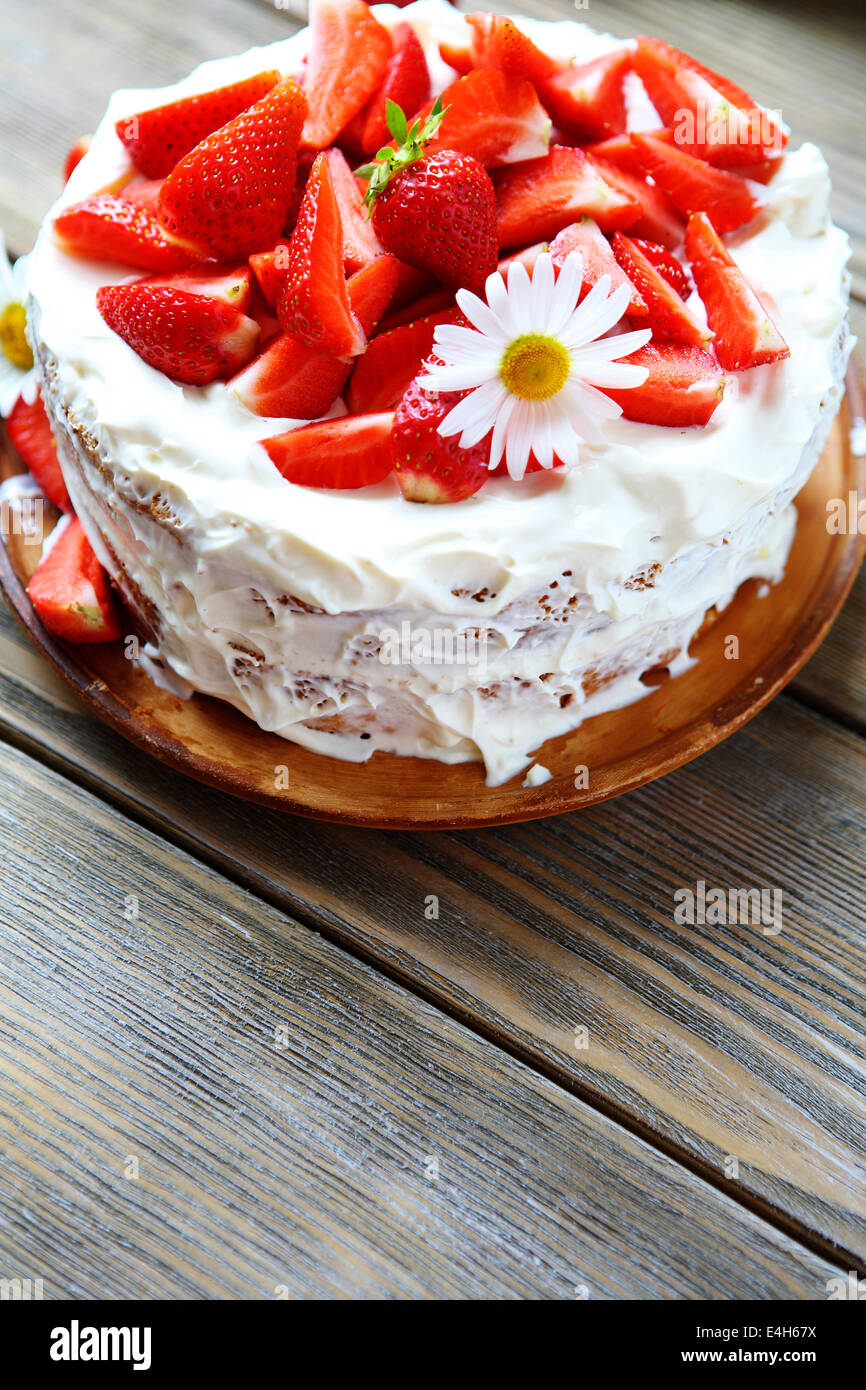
(420, 381)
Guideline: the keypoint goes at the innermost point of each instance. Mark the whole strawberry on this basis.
(435, 211)
(430, 467)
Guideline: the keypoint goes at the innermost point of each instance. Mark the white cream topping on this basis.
(648, 496)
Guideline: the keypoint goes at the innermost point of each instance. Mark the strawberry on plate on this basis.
(586, 239)
(494, 116)
(290, 379)
(231, 194)
(157, 139)
(668, 316)
(75, 156)
(683, 387)
(189, 337)
(391, 361)
(537, 199)
(70, 590)
(497, 42)
(436, 211)
(348, 55)
(351, 452)
(694, 186)
(30, 433)
(588, 99)
(659, 220)
(406, 81)
(431, 467)
(314, 302)
(106, 227)
(745, 333)
(667, 266)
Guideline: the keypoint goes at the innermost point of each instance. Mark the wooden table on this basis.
(239, 1057)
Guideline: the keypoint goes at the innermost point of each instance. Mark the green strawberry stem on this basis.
(411, 141)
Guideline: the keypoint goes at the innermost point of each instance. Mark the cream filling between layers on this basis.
(369, 560)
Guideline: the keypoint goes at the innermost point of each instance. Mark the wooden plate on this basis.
(676, 721)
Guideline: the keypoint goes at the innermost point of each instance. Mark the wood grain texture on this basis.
(720, 1040)
(297, 1159)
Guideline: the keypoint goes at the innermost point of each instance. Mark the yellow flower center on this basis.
(13, 342)
(534, 367)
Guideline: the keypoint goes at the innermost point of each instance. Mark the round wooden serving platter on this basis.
(610, 754)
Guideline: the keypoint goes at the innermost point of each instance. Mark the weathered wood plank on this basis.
(721, 1040)
(143, 999)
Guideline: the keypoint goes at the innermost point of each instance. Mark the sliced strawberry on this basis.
(352, 452)
(457, 56)
(292, 380)
(433, 303)
(143, 192)
(667, 266)
(269, 268)
(709, 115)
(537, 199)
(30, 433)
(406, 81)
(106, 227)
(683, 387)
(745, 334)
(412, 282)
(619, 149)
(761, 172)
(668, 316)
(70, 591)
(75, 156)
(494, 116)
(659, 220)
(229, 284)
(190, 338)
(497, 42)
(360, 243)
(346, 62)
(314, 302)
(586, 239)
(431, 467)
(231, 194)
(694, 186)
(587, 99)
(157, 139)
(527, 255)
(391, 361)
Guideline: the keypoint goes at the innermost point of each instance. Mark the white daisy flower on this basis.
(17, 376)
(532, 363)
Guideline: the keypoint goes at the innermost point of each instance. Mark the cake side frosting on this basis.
(277, 597)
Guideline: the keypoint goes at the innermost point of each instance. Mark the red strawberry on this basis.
(667, 266)
(498, 43)
(585, 238)
(75, 156)
(269, 268)
(352, 452)
(494, 116)
(457, 56)
(694, 186)
(231, 194)
(659, 220)
(30, 433)
(70, 591)
(683, 388)
(406, 81)
(190, 338)
(528, 255)
(745, 334)
(411, 284)
(143, 192)
(587, 99)
(360, 243)
(431, 467)
(314, 302)
(537, 199)
(348, 55)
(109, 228)
(436, 302)
(711, 117)
(157, 139)
(293, 380)
(391, 361)
(436, 211)
(229, 284)
(668, 316)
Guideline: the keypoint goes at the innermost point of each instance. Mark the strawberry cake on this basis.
(421, 381)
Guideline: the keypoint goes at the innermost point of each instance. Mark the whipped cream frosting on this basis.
(242, 540)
